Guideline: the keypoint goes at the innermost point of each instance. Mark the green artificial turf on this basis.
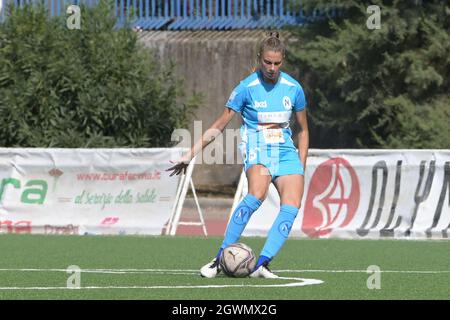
(166, 268)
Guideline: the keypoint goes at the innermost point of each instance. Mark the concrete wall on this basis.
(211, 62)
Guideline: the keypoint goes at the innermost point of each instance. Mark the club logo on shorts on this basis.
(285, 228)
(287, 104)
(332, 199)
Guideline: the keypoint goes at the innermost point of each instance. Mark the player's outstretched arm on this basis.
(210, 135)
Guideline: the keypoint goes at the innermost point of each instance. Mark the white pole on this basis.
(200, 213)
(175, 205)
(184, 189)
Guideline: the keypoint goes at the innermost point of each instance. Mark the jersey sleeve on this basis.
(237, 98)
(300, 100)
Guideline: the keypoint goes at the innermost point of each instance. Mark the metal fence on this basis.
(191, 14)
(54, 7)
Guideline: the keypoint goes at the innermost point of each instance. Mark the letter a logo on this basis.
(74, 20)
(374, 20)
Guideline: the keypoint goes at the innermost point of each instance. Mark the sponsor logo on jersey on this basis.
(277, 117)
(260, 104)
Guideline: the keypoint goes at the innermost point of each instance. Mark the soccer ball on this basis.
(237, 260)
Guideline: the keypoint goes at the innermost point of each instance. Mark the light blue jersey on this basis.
(260, 102)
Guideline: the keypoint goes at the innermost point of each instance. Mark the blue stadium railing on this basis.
(191, 14)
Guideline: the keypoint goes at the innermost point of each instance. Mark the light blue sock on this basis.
(279, 231)
(239, 220)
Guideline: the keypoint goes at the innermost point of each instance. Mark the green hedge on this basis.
(380, 88)
(92, 87)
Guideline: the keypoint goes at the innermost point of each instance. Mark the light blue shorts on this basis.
(280, 158)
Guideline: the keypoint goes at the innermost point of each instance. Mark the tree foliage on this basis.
(92, 87)
(380, 88)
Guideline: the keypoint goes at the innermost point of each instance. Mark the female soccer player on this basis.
(266, 100)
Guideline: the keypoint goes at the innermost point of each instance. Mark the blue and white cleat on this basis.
(263, 272)
(210, 270)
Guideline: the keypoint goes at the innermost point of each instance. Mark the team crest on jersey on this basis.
(287, 103)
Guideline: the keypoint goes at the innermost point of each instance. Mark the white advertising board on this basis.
(86, 191)
(367, 194)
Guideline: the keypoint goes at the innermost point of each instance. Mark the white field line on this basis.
(108, 271)
(299, 282)
(195, 271)
(114, 271)
(366, 271)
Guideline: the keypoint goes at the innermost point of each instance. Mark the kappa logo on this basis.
(287, 104)
(333, 198)
(260, 104)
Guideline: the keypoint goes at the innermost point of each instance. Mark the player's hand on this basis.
(180, 166)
